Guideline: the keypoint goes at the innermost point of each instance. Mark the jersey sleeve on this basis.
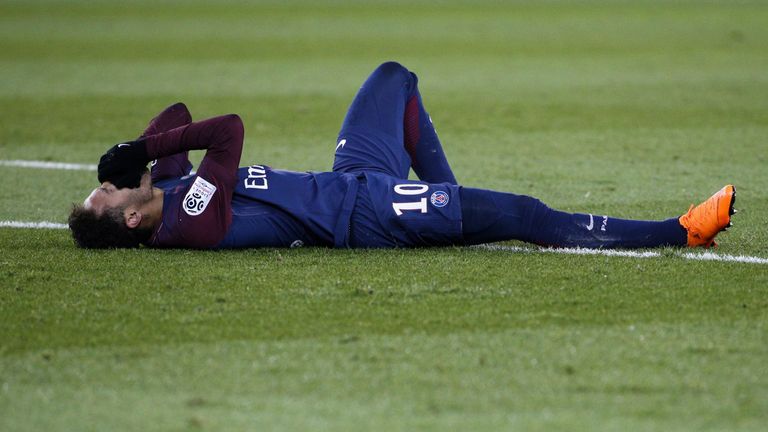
(204, 214)
(178, 164)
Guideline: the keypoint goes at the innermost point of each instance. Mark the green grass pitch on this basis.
(628, 108)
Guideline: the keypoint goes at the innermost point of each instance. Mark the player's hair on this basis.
(105, 231)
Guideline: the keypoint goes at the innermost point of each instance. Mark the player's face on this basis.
(108, 196)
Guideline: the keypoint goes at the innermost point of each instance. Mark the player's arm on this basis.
(206, 211)
(176, 165)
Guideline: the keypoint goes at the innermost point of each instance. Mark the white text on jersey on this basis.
(257, 178)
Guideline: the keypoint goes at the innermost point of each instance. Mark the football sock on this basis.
(427, 157)
(490, 216)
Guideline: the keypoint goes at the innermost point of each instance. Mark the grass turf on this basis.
(631, 109)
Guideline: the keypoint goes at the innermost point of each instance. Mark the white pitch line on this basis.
(47, 165)
(704, 256)
(38, 225)
(709, 256)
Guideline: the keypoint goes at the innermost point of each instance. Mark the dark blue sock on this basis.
(427, 157)
(490, 216)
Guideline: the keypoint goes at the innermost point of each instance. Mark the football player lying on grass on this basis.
(366, 201)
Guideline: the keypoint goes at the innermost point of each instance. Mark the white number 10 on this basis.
(410, 189)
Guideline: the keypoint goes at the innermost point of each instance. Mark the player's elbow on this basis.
(232, 124)
(228, 133)
(181, 110)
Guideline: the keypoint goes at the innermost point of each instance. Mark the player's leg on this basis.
(495, 216)
(428, 159)
(371, 137)
(386, 127)
(490, 216)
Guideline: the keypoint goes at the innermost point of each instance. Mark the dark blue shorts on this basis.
(391, 212)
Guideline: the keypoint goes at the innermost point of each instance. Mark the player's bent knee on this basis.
(391, 69)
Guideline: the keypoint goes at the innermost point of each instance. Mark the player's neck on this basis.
(152, 210)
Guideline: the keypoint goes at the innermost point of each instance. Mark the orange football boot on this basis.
(705, 220)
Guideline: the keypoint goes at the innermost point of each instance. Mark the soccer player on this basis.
(366, 201)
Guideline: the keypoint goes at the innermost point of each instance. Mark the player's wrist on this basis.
(124, 164)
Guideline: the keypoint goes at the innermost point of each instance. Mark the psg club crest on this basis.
(439, 199)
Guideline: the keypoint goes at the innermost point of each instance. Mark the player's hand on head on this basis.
(123, 164)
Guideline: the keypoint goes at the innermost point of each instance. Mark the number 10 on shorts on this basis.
(410, 189)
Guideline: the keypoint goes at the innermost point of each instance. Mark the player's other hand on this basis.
(124, 164)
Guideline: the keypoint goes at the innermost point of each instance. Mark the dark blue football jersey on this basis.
(270, 208)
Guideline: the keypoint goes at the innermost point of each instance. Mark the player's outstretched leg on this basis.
(490, 216)
(386, 129)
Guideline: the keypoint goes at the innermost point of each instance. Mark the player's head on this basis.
(111, 217)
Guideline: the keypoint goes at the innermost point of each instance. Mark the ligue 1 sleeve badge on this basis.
(198, 197)
(439, 199)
